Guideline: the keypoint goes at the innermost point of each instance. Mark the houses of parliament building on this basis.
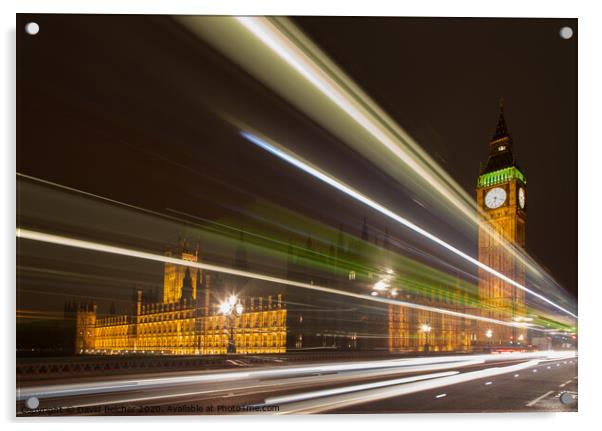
(188, 318)
(185, 322)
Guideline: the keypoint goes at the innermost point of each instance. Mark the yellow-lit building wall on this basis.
(420, 330)
(176, 329)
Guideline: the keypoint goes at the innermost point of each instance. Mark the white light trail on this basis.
(288, 43)
(296, 58)
(339, 185)
(354, 388)
(104, 248)
(371, 395)
(256, 380)
(402, 365)
(409, 365)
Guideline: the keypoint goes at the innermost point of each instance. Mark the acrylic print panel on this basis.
(270, 215)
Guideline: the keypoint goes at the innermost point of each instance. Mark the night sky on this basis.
(441, 80)
(122, 106)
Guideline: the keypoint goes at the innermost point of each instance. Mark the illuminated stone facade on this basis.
(419, 330)
(184, 323)
(411, 329)
(185, 319)
(501, 195)
(176, 277)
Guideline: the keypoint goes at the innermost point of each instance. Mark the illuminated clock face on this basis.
(495, 198)
(521, 197)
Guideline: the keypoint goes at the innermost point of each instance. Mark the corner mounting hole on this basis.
(566, 32)
(32, 28)
(32, 403)
(567, 398)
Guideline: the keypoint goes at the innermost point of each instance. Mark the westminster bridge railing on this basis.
(76, 366)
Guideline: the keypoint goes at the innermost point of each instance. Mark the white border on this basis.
(590, 200)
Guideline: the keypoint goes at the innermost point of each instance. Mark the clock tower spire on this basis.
(501, 197)
(501, 131)
(500, 145)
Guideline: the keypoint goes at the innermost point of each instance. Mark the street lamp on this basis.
(426, 329)
(231, 308)
(381, 285)
(489, 333)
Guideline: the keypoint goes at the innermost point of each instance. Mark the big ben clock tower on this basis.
(501, 195)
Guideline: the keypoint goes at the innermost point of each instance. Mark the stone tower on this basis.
(501, 195)
(85, 323)
(178, 279)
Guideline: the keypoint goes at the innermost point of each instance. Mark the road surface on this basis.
(457, 383)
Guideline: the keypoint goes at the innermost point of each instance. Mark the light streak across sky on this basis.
(284, 39)
(289, 157)
(295, 57)
(122, 251)
(281, 56)
(271, 214)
